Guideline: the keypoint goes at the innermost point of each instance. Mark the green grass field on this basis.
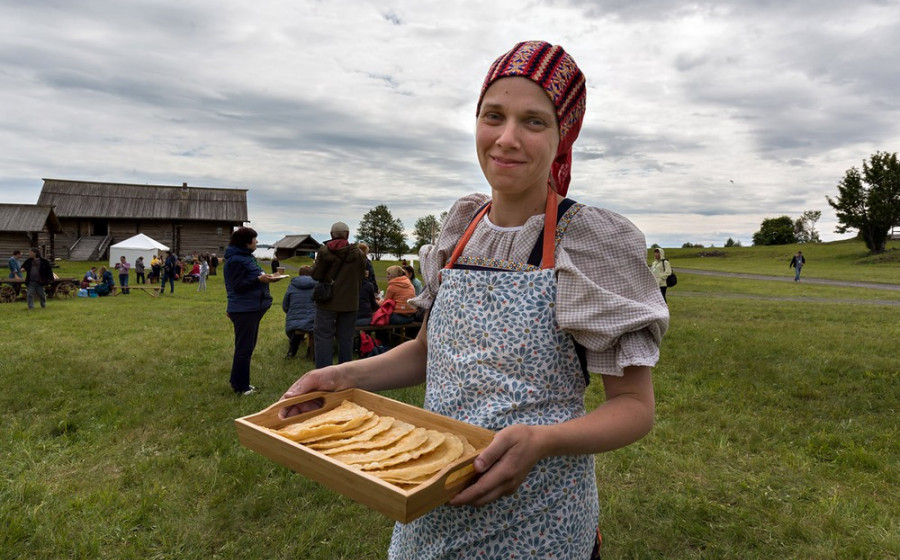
(776, 435)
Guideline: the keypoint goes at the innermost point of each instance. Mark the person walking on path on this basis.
(797, 262)
(15, 269)
(531, 295)
(661, 269)
(247, 291)
(37, 275)
(169, 273)
(341, 264)
(123, 267)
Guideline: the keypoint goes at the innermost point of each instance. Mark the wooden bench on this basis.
(151, 291)
(394, 333)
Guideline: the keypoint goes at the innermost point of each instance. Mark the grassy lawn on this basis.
(776, 434)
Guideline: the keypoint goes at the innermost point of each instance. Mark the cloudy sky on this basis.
(703, 118)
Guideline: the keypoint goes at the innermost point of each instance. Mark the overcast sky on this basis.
(703, 118)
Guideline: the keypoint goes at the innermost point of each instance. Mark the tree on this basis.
(381, 232)
(775, 231)
(426, 231)
(805, 227)
(871, 208)
(732, 243)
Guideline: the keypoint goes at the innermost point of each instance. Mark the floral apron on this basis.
(497, 357)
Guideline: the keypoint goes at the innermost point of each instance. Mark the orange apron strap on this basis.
(461, 244)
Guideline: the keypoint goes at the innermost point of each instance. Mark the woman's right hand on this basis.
(326, 379)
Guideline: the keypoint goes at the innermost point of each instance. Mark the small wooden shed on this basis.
(23, 226)
(295, 246)
(96, 215)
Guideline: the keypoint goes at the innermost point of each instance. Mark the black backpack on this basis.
(671, 279)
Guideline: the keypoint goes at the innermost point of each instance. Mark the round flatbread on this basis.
(416, 438)
(347, 415)
(397, 430)
(378, 425)
(433, 440)
(450, 450)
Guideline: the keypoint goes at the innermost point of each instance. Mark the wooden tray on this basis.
(393, 501)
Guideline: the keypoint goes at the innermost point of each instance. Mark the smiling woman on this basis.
(529, 269)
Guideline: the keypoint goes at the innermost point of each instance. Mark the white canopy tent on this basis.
(138, 246)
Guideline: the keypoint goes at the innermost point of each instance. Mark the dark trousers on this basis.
(123, 282)
(331, 325)
(246, 332)
(35, 290)
(170, 278)
(662, 290)
(139, 278)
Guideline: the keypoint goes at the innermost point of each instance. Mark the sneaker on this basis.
(251, 391)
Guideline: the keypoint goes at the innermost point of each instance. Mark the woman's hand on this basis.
(503, 465)
(325, 379)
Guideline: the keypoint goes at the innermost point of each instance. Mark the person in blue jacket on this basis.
(299, 308)
(247, 291)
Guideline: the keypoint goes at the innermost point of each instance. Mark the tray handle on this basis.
(327, 397)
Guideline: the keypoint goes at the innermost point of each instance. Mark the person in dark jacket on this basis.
(247, 293)
(104, 288)
(275, 264)
(342, 263)
(797, 263)
(367, 302)
(370, 277)
(299, 309)
(169, 273)
(37, 275)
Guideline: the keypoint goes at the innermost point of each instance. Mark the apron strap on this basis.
(550, 219)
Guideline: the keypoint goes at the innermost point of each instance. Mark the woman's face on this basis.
(516, 136)
(252, 244)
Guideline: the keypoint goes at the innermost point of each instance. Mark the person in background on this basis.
(204, 272)
(37, 275)
(661, 270)
(530, 295)
(341, 263)
(275, 264)
(411, 274)
(247, 292)
(92, 274)
(797, 263)
(155, 268)
(401, 290)
(139, 268)
(123, 267)
(106, 285)
(368, 303)
(169, 267)
(213, 264)
(299, 309)
(370, 277)
(15, 269)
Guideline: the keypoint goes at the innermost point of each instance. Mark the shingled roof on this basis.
(294, 241)
(86, 199)
(28, 218)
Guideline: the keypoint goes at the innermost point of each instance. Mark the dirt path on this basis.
(820, 281)
(803, 280)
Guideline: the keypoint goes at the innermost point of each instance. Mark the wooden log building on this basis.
(23, 226)
(296, 246)
(96, 215)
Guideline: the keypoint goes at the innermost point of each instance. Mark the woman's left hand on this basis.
(503, 465)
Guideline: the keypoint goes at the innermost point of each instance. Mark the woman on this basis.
(661, 270)
(247, 290)
(517, 280)
(106, 285)
(411, 274)
(299, 309)
(400, 291)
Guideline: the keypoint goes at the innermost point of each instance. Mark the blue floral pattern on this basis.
(497, 357)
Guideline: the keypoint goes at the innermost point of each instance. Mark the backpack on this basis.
(671, 279)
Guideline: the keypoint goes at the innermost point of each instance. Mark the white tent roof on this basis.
(140, 242)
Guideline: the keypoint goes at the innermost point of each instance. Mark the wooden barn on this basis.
(23, 226)
(96, 215)
(295, 246)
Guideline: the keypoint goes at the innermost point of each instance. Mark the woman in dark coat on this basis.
(247, 290)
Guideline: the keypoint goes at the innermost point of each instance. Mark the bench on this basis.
(152, 291)
(394, 333)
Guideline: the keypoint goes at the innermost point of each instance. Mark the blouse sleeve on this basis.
(607, 297)
(432, 258)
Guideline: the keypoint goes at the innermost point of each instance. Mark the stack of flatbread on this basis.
(392, 450)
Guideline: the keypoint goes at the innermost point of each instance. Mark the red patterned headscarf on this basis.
(554, 70)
